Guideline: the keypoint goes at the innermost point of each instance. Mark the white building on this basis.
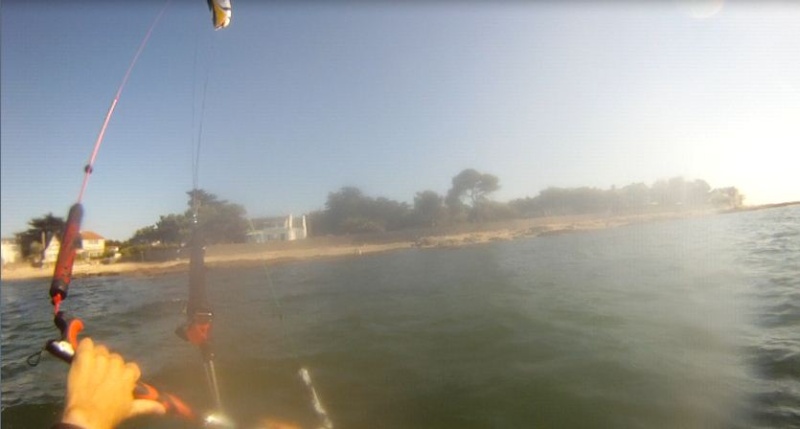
(10, 251)
(51, 253)
(278, 229)
(92, 244)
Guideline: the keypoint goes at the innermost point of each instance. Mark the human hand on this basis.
(100, 389)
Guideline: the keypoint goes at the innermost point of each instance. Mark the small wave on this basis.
(775, 363)
(782, 315)
(776, 408)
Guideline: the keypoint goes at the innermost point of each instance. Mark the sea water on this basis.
(690, 323)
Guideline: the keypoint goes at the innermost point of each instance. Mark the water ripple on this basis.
(690, 323)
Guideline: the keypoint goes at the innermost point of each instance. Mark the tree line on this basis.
(468, 200)
(664, 195)
(350, 211)
(220, 221)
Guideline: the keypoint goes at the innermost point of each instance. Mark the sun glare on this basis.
(758, 156)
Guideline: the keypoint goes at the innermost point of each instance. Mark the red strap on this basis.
(180, 408)
(56, 303)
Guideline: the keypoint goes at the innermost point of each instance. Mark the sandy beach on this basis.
(349, 246)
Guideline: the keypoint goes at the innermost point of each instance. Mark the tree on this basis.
(456, 209)
(173, 229)
(428, 208)
(635, 195)
(348, 202)
(392, 214)
(318, 224)
(526, 207)
(42, 230)
(677, 191)
(488, 211)
(472, 186)
(199, 198)
(145, 236)
(350, 211)
(357, 225)
(699, 193)
(565, 201)
(221, 221)
(726, 198)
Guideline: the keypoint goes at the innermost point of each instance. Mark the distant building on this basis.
(278, 229)
(93, 244)
(10, 251)
(51, 253)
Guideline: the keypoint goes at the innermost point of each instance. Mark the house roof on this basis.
(91, 235)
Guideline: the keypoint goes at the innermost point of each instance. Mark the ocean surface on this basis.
(691, 323)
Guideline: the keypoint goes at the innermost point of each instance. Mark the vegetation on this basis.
(429, 209)
(350, 211)
(221, 222)
(664, 195)
(470, 195)
(35, 239)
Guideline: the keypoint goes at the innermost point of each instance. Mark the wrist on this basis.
(74, 418)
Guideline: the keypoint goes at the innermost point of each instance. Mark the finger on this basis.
(132, 372)
(146, 406)
(116, 363)
(84, 353)
(100, 364)
(83, 362)
(85, 345)
(116, 367)
(101, 350)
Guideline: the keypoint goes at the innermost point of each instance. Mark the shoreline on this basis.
(248, 255)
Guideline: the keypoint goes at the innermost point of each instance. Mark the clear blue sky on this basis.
(306, 97)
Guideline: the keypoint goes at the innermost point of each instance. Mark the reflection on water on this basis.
(690, 323)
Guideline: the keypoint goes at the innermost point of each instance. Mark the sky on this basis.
(302, 98)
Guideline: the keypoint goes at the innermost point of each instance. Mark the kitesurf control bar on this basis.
(70, 240)
(64, 349)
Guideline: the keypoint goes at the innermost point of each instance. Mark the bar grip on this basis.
(64, 349)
